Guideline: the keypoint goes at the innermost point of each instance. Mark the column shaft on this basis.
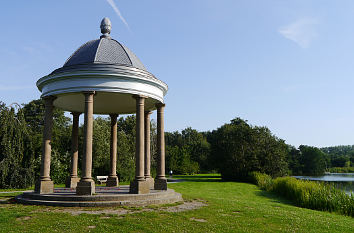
(112, 180)
(45, 184)
(139, 185)
(86, 186)
(147, 145)
(75, 144)
(139, 150)
(160, 142)
(73, 179)
(113, 149)
(160, 181)
(88, 128)
(47, 138)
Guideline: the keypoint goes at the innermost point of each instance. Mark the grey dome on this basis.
(104, 50)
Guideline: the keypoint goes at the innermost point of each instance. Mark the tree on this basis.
(16, 149)
(101, 146)
(187, 152)
(294, 161)
(238, 149)
(197, 146)
(313, 160)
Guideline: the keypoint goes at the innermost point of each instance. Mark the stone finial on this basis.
(105, 27)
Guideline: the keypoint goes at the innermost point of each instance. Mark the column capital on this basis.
(49, 97)
(89, 92)
(139, 96)
(113, 115)
(147, 113)
(75, 113)
(160, 105)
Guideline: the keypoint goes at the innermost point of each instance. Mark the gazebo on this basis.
(104, 77)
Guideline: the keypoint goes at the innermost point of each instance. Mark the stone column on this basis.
(112, 180)
(86, 186)
(45, 184)
(147, 174)
(73, 179)
(139, 184)
(160, 180)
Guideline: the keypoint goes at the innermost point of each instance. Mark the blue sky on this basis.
(287, 65)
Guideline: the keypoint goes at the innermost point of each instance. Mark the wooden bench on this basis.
(102, 179)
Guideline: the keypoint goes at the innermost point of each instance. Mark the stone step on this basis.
(175, 197)
(103, 197)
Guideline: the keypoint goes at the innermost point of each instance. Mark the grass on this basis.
(232, 207)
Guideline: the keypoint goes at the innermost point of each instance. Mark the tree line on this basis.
(235, 149)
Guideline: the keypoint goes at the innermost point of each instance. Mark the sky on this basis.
(287, 65)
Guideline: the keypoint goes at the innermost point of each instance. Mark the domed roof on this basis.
(108, 68)
(104, 50)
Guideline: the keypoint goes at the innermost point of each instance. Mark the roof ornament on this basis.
(106, 28)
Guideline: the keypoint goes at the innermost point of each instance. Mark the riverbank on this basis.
(341, 170)
(229, 207)
(307, 194)
(343, 181)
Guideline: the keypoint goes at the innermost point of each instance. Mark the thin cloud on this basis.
(302, 31)
(115, 8)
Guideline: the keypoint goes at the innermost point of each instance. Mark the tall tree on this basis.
(239, 148)
(16, 149)
(313, 160)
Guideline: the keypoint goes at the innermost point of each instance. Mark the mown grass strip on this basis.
(231, 207)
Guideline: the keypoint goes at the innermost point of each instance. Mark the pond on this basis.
(344, 181)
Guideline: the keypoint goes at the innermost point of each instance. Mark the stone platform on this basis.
(105, 196)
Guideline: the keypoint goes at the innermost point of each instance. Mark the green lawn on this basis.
(232, 207)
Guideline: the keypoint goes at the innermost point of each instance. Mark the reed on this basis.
(308, 194)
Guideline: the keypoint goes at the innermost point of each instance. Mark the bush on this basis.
(59, 167)
(262, 180)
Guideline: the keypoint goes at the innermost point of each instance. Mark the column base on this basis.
(112, 182)
(85, 188)
(160, 184)
(71, 182)
(150, 180)
(139, 187)
(44, 186)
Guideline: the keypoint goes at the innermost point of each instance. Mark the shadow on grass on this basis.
(9, 200)
(198, 178)
(274, 197)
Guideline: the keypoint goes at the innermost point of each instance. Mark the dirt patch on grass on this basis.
(185, 206)
(22, 219)
(198, 219)
(192, 205)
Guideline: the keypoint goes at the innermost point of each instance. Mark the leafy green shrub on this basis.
(59, 167)
(262, 180)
